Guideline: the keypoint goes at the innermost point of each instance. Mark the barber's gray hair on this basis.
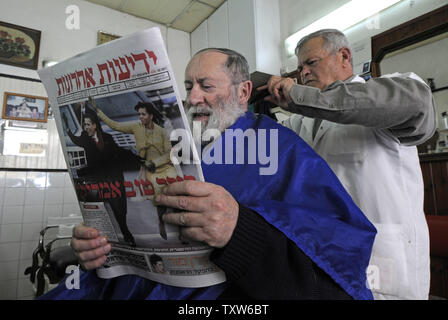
(333, 40)
(236, 65)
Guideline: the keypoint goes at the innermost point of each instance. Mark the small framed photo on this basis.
(103, 37)
(24, 107)
(366, 67)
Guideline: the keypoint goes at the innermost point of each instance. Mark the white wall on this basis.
(242, 30)
(250, 27)
(267, 33)
(59, 43)
(296, 14)
(218, 27)
(178, 47)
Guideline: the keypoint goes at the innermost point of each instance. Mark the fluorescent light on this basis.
(342, 18)
(48, 63)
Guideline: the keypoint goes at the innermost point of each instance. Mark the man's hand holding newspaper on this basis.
(209, 214)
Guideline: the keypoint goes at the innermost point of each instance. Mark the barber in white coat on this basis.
(367, 133)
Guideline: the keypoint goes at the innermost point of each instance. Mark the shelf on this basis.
(436, 156)
(440, 89)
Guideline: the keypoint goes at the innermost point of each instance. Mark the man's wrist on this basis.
(245, 245)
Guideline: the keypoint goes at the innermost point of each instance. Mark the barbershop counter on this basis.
(436, 156)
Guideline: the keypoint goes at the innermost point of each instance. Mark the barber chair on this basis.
(50, 262)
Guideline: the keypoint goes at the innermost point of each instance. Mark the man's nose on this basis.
(305, 72)
(195, 96)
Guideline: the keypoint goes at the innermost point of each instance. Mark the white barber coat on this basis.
(385, 180)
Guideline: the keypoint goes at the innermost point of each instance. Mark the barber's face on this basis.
(211, 97)
(89, 127)
(317, 67)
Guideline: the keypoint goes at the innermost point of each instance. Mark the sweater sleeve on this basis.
(260, 262)
(76, 140)
(125, 127)
(400, 106)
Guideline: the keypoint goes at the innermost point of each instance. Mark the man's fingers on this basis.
(81, 245)
(194, 233)
(275, 98)
(185, 203)
(184, 219)
(270, 99)
(272, 82)
(201, 235)
(188, 188)
(276, 89)
(89, 247)
(279, 91)
(94, 254)
(83, 232)
(186, 195)
(93, 264)
(262, 87)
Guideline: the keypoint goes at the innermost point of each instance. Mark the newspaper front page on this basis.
(120, 120)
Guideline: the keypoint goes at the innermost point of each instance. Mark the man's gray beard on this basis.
(221, 117)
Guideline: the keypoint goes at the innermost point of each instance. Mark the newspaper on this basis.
(116, 108)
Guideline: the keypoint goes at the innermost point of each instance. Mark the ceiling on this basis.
(183, 15)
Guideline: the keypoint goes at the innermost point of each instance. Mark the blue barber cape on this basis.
(303, 199)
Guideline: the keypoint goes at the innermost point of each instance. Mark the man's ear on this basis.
(244, 91)
(346, 55)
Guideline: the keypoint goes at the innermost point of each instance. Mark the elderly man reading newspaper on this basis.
(280, 222)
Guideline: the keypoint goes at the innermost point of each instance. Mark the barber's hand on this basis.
(209, 212)
(279, 90)
(89, 247)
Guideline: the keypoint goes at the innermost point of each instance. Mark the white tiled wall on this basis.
(27, 199)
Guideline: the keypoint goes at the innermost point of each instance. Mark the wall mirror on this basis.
(419, 46)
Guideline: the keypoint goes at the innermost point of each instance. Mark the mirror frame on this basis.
(416, 30)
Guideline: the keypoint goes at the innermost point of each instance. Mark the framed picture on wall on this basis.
(103, 37)
(17, 106)
(19, 46)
